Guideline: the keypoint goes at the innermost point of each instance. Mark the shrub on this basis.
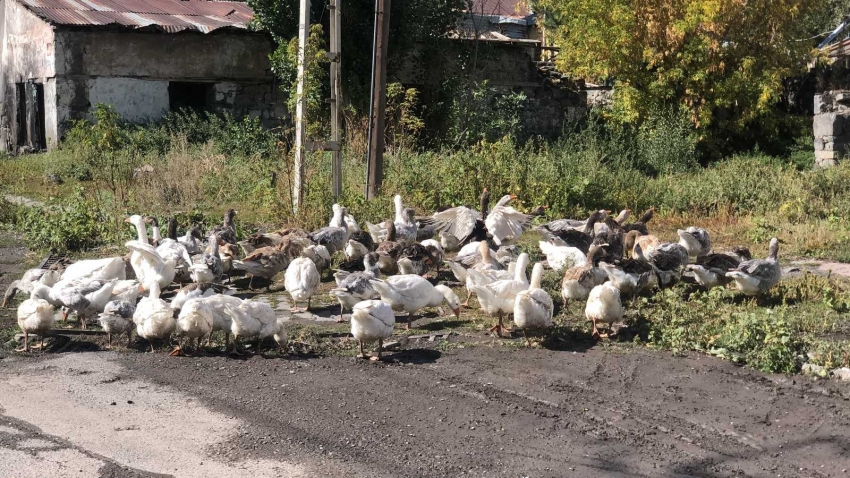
(76, 223)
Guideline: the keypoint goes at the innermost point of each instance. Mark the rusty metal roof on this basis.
(167, 15)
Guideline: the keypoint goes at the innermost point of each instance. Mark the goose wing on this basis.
(459, 221)
(506, 223)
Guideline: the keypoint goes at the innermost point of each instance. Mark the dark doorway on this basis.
(188, 95)
(30, 115)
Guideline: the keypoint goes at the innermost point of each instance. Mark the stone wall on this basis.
(80, 67)
(509, 67)
(831, 127)
(132, 70)
(27, 45)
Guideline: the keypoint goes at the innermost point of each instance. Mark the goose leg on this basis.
(26, 347)
(151, 344)
(468, 296)
(498, 328)
(42, 343)
(235, 351)
(362, 352)
(109, 340)
(527, 342)
(82, 321)
(341, 311)
(308, 304)
(380, 349)
(209, 340)
(64, 314)
(595, 334)
(410, 319)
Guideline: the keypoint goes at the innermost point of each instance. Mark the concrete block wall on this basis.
(831, 127)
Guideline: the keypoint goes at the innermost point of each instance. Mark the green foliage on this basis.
(481, 112)
(723, 60)
(284, 61)
(76, 223)
(416, 28)
(766, 339)
(403, 124)
(667, 142)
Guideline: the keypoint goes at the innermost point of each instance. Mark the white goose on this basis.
(195, 321)
(485, 277)
(372, 320)
(222, 316)
(497, 298)
(411, 293)
(578, 281)
(252, 319)
(505, 223)
(341, 214)
(154, 318)
(35, 316)
(117, 318)
(560, 256)
(379, 231)
(101, 269)
(533, 307)
(301, 281)
(188, 292)
(26, 284)
(353, 288)
(603, 305)
(127, 290)
(86, 297)
(355, 250)
(148, 265)
(172, 249)
(757, 276)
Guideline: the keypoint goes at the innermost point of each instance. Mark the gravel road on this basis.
(470, 412)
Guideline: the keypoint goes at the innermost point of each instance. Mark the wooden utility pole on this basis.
(300, 107)
(336, 90)
(378, 103)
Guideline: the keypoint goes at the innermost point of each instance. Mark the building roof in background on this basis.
(502, 8)
(166, 15)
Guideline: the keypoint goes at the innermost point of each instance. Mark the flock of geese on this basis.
(388, 267)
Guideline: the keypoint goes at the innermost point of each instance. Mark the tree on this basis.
(722, 60)
(414, 25)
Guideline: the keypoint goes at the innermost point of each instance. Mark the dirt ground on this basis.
(429, 410)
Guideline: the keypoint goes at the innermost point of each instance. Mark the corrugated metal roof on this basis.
(168, 15)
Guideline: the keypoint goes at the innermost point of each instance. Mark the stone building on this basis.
(60, 58)
(831, 124)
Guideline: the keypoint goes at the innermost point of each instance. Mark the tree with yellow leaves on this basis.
(722, 60)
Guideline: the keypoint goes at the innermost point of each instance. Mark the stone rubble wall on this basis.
(831, 127)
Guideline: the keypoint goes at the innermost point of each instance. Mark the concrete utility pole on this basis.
(336, 93)
(300, 107)
(378, 103)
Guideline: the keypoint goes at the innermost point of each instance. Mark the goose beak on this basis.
(457, 312)
(127, 220)
(4, 303)
(513, 196)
